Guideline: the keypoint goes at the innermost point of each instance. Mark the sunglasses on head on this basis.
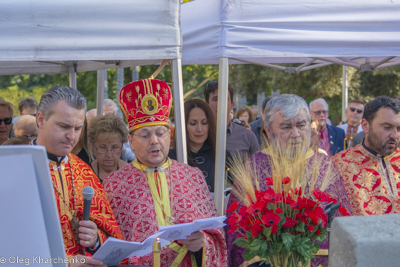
(359, 111)
(7, 121)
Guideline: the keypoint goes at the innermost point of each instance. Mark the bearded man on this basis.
(371, 170)
(154, 190)
(287, 124)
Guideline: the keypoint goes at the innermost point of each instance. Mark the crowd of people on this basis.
(139, 185)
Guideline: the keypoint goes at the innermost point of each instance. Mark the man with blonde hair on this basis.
(26, 126)
(6, 114)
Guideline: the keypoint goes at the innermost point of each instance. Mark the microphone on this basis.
(87, 193)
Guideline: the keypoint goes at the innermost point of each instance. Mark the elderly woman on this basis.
(200, 138)
(107, 134)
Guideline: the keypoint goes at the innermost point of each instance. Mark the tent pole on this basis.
(72, 77)
(345, 94)
(222, 115)
(120, 84)
(100, 91)
(180, 130)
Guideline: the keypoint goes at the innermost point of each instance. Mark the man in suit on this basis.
(330, 137)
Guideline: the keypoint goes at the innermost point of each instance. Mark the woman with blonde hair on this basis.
(107, 134)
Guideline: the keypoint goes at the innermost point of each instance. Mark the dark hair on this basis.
(27, 102)
(57, 93)
(17, 140)
(242, 110)
(357, 101)
(264, 103)
(212, 130)
(372, 107)
(212, 86)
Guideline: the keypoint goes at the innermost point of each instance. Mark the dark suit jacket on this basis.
(336, 138)
(256, 129)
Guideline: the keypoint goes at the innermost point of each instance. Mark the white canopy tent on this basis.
(44, 36)
(360, 34)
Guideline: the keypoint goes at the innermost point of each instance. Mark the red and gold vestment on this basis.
(372, 186)
(131, 198)
(101, 213)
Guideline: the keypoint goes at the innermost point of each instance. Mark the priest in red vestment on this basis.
(154, 190)
(371, 170)
(60, 119)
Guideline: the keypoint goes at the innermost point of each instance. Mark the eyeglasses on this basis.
(318, 112)
(359, 111)
(103, 150)
(7, 121)
(145, 135)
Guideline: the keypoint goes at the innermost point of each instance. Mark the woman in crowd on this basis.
(82, 149)
(244, 113)
(107, 134)
(200, 138)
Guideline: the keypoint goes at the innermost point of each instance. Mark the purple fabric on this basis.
(262, 162)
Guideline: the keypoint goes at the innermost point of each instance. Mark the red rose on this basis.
(323, 197)
(269, 181)
(233, 228)
(289, 222)
(242, 211)
(270, 219)
(279, 210)
(310, 227)
(256, 228)
(318, 232)
(233, 206)
(343, 211)
(255, 208)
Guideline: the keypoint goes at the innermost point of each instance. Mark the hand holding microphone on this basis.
(87, 229)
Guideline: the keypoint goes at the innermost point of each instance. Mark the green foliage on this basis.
(247, 80)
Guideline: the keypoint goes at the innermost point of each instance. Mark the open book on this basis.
(114, 250)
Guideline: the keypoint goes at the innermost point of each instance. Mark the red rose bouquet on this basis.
(283, 225)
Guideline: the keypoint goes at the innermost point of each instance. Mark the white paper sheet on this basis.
(181, 231)
(114, 250)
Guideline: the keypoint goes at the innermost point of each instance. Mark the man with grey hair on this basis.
(109, 107)
(287, 125)
(60, 119)
(330, 137)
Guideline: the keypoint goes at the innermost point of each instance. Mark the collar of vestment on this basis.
(375, 154)
(143, 167)
(52, 157)
(159, 189)
(270, 152)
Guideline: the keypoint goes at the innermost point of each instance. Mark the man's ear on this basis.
(365, 125)
(40, 119)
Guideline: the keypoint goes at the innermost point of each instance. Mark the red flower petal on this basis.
(285, 180)
(269, 181)
(233, 206)
(318, 232)
(310, 227)
(279, 210)
(270, 219)
(274, 229)
(289, 222)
